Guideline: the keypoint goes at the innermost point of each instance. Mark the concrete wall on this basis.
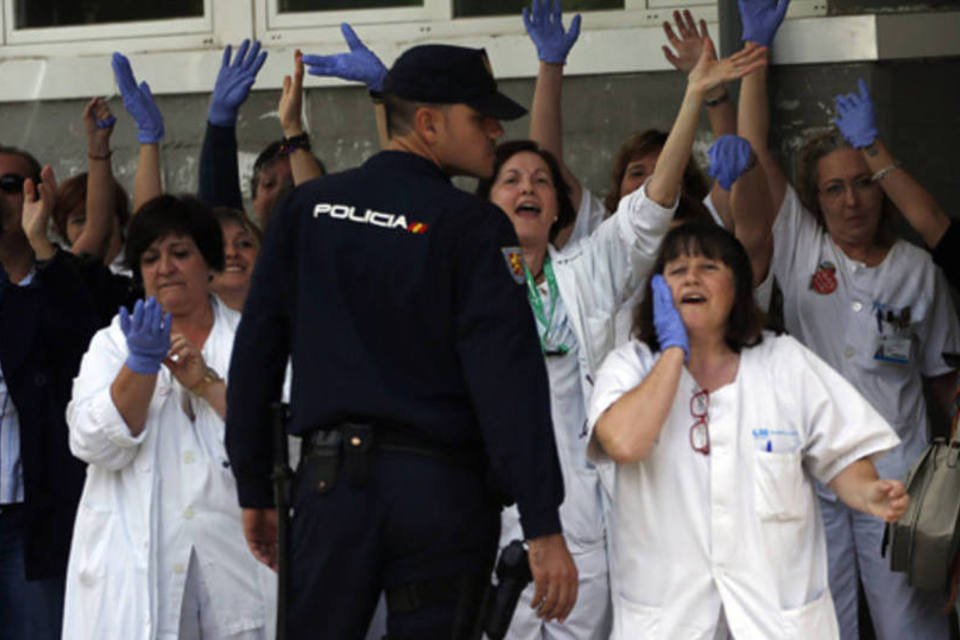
(918, 107)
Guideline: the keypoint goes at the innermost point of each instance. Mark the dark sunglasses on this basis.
(11, 183)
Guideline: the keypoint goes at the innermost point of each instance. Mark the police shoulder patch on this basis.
(514, 258)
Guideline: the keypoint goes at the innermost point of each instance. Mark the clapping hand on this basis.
(38, 201)
(234, 81)
(138, 101)
(359, 64)
(666, 318)
(761, 19)
(147, 331)
(855, 117)
(730, 157)
(545, 27)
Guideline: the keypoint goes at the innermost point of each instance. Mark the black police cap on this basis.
(445, 74)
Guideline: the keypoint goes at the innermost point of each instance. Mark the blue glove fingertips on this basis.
(234, 81)
(761, 19)
(729, 159)
(545, 28)
(856, 119)
(147, 332)
(666, 319)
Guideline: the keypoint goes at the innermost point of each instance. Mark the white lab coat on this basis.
(594, 275)
(735, 534)
(152, 500)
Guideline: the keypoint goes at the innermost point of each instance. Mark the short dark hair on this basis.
(700, 237)
(566, 214)
(181, 215)
(400, 112)
(73, 192)
(644, 143)
(35, 167)
(270, 154)
(229, 215)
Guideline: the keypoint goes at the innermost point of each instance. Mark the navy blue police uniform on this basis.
(400, 300)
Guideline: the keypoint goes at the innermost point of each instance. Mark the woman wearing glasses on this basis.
(716, 433)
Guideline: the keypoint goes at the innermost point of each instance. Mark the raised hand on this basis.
(234, 81)
(38, 202)
(291, 99)
(666, 318)
(545, 27)
(710, 72)
(887, 499)
(855, 117)
(138, 101)
(98, 122)
(147, 331)
(761, 19)
(730, 157)
(360, 64)
(688, 45)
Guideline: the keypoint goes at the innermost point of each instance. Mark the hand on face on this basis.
(666, 318)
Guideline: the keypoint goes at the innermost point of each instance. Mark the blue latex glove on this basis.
(148, 336)
(233, 82)
(666, 318)
(730, 158)
(855, 117)
(138, 102)
(360, 64)
(761, 19)
(545, 28)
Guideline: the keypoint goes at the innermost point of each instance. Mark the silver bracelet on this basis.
(882, 173)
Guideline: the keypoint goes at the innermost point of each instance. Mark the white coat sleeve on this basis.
(98, 433)
(838, 425)
(795, 236)
(621, 252)
(590, 215)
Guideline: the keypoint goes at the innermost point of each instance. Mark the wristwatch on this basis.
(209, 377)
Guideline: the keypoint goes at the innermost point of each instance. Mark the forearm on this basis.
(131, 394)
(219, 175)
(147, 183)
(628, 429)
(100, 203)
(852, 485)
(215, 394)
(753, 123)
(546, 120)
(916, 203)
(753, 214)
(665, 183)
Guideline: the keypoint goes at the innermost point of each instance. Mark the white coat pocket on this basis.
(780, 488)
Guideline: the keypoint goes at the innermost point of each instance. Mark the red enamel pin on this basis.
(824, 279)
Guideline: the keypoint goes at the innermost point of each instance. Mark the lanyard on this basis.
(536, 303)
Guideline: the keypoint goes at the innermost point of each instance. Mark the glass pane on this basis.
(514, 7)
(287, 6)
(31, 14)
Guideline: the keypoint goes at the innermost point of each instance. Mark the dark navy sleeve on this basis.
(946, 254)
(260, 352)
(505, 373)
(219, 180)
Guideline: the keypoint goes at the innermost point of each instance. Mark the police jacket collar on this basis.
(405, 161)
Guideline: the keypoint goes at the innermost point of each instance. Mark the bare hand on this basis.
(185, 361)
(38, 201)
(710, 72)
(261, 531)
(554, 577)
(98, 122)
(689, 44)
(887, 499)
(291, 99)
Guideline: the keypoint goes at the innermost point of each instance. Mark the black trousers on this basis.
(417, 519)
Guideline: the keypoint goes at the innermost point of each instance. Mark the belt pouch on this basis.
(320, 463)
(357, 453)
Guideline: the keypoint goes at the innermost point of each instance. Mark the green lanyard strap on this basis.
(536, 303)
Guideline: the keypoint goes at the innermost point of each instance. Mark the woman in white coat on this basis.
(575, 294)
(158, 549)
(716, 433)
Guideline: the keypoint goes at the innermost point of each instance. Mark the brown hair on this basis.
(700, 237)
(229, 215)
(73, 193)
(644, 143)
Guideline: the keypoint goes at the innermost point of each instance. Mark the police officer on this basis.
(418, 385)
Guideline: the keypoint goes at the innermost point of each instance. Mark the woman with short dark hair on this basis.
(713, 434)
(158, 548)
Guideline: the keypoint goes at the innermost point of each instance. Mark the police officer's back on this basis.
(415, 363)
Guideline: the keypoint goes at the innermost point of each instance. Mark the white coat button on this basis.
(188, 457)
(856, 306)
(848, 352)
(188, 513)
(178, 568)
(147, 468)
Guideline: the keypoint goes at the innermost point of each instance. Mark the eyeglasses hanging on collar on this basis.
(699, 431)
